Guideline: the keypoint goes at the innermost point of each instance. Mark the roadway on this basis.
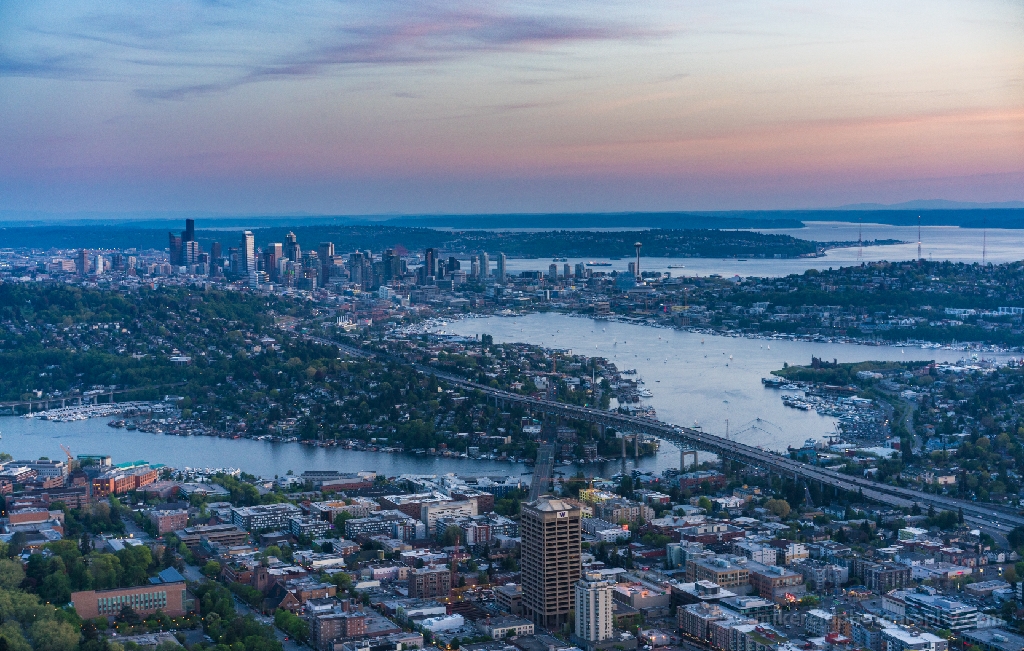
(993, 518)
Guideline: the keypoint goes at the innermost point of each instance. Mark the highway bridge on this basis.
(993, 518)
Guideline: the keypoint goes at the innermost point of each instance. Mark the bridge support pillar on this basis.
(682, 459)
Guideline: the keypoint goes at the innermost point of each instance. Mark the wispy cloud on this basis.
(212, 47)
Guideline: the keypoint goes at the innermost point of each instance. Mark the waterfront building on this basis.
(550, 530)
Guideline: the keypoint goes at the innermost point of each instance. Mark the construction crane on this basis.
(71, 459)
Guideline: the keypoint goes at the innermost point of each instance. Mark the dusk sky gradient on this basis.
(321, 107)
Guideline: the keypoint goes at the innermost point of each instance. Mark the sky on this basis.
(396, 107)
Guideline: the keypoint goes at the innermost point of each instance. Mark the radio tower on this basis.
(919, 237)
(984, 239)
(639, 278)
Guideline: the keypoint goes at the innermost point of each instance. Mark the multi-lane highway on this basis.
(993, 518)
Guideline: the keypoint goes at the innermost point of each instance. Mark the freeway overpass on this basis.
(995, 519)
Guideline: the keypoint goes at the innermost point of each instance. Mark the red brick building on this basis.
(168, 521)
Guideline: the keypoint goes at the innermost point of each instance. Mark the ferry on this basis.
(645, 393)
(677, 266)
(599, 264)
(773, 382)
(559, 259)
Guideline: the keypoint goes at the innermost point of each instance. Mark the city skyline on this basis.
(503, 107)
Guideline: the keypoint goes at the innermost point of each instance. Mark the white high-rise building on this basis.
(249, 252)
(499, 273)
(485, 266)
(593, 608)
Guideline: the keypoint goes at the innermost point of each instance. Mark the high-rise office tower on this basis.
(83, 263)
(189, 234)
(485, 266)
(189, 252)
(453, 264)
(248, 252)
(271, 255)
(291, 247)
(325, 253)
(355, 268)
(174, 249)
(552, 272)
(593, 608)
(430, 262)
(581, 271)
(550, 530)
(474, 267)
(566, 271)
(99, 266)
(392, 265)
(499, 273)
(215, 251)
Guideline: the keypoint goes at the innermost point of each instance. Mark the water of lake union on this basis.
(693, 381)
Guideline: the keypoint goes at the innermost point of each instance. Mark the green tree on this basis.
(211, 569)
(451, 536)
(136, 561)
(52, 635)
(11, 574)
(105, 570)
(778, 507)
(705, 503)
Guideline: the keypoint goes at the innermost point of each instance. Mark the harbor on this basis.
(105, 410)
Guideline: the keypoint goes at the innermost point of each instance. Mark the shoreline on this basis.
(977, 347)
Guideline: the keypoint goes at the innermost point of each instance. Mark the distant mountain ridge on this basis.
(933, 204)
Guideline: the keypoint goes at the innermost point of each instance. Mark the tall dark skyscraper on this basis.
(272, 254)
(392, 265)
(325, 253)
(215, 251)
(189, 234)
(430, 262)
(291, 247)
(174, 249)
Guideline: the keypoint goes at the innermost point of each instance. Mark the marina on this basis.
(105, 410)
